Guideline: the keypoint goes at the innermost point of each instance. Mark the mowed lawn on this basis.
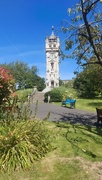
(87, 104)
(76, 154)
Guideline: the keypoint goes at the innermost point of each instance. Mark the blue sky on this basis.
(24, 25)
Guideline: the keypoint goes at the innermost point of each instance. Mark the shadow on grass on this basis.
(78, 135)
(95, 130)
(98, 129)
(95, 104)
(75, 145)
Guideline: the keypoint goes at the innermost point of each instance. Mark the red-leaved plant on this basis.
(6, 85)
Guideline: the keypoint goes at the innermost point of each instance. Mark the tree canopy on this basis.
(89, 82)
(84, 32)
(25, 76)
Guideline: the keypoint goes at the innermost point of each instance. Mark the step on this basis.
(38, 96)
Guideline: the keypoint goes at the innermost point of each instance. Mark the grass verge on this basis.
(86, 104)
(77, 155)
(89, 104)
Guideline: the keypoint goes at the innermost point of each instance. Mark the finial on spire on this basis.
(52, 34)
(52, 29)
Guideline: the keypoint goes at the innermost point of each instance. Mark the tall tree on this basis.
(84, 32)
(89, 82)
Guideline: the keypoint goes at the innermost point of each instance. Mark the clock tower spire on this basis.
(52, 30)
(52, 50)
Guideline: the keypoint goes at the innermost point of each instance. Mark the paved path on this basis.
(58, 113)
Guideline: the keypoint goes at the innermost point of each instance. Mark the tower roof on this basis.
(52, 35)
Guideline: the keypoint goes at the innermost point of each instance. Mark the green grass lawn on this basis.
(84, 104)
(87, 104)
(77, 154)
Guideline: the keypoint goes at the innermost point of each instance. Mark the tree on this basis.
(60, 82)
(40, 83)
(84, 32)
(25, 77)
(6, 85)
(89, 82)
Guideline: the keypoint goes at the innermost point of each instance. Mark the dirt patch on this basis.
(95, 168)
(92, 168)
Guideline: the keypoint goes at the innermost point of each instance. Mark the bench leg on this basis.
(72, 105)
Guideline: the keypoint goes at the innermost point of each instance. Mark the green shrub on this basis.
(6, 85)
(23, 94)
(59, 94)
(55, 96)
(23, 142)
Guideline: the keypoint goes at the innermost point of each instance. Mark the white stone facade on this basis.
(52, 49)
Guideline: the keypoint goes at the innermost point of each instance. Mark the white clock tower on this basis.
(52, 49)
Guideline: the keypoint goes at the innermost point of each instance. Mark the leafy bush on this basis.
(23, 94)
(6, 85)
(59, 94)
(41, 84)
(55, 95)
(21, 143)
(88, 83)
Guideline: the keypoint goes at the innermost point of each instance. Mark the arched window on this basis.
(52, 65)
